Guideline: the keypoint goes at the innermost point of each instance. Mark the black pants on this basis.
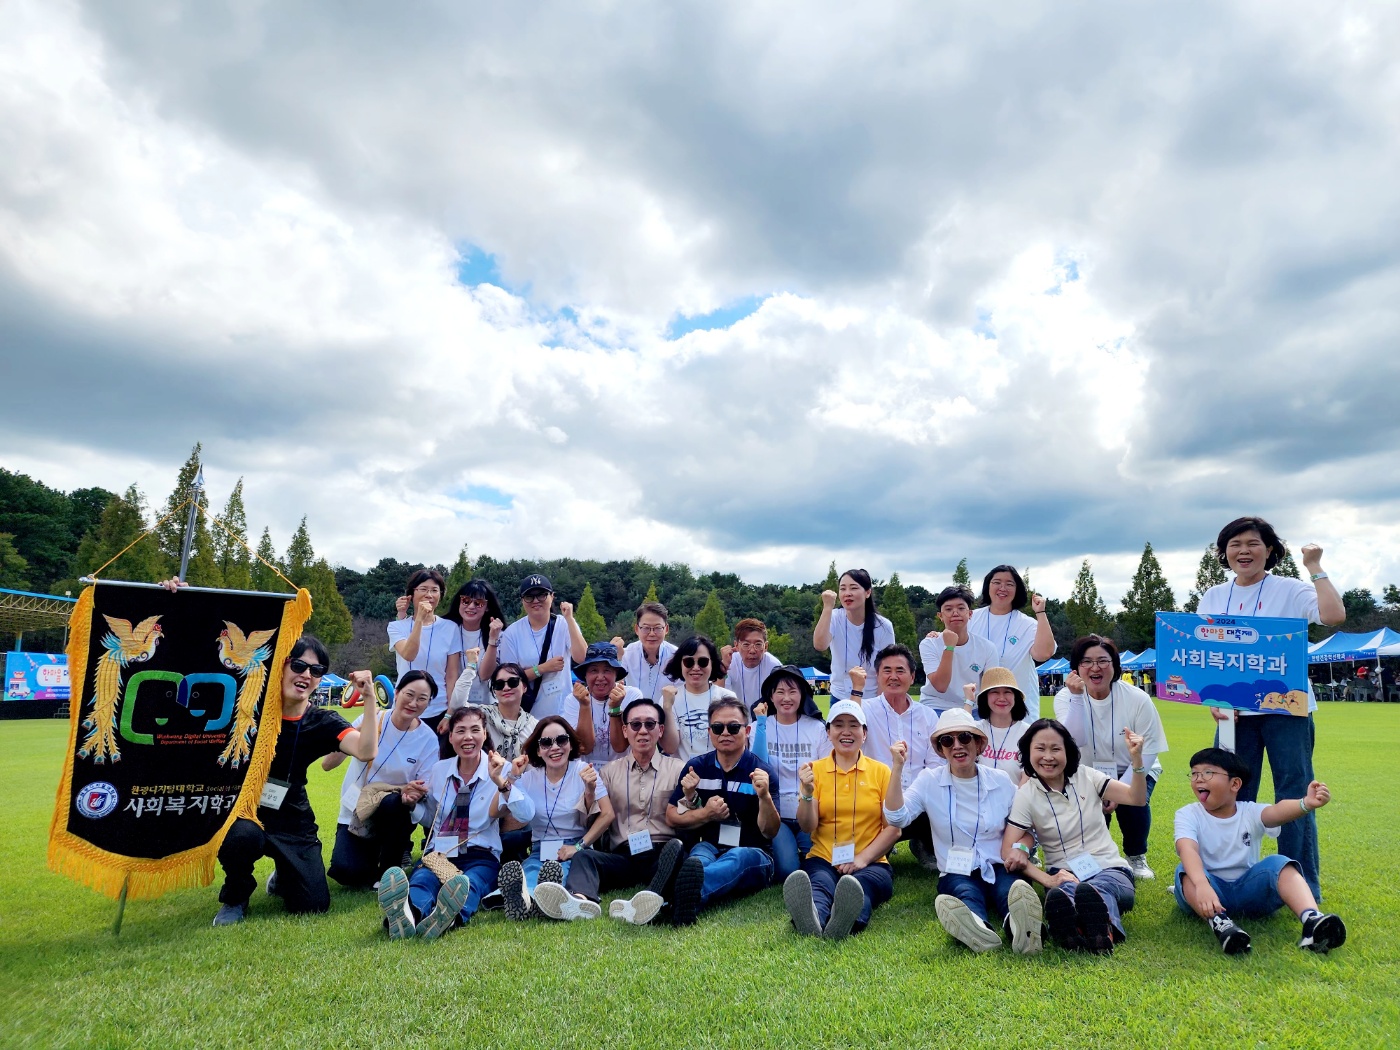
(301, 874)
(444, 747)
(515, 845)
(594, 872)
(357, 862)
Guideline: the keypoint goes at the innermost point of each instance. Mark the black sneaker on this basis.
(1062, 920)
(1323, 932)
(1094, 926)
(272, 890)
(1233, 940)
(516, 896)
(668, 861)
(685, 901)
(493, 901)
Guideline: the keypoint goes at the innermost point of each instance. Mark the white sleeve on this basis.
(506, 649)
(463, 689)
(521, 805)
(1072, 713)
(1184, 825)
(914, 803)
(930, 654)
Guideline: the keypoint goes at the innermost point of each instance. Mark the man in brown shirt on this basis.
(642, 847)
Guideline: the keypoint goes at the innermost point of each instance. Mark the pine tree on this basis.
(651, 593)
(330, 619)
(1085, 609)
(1208, 573)
(1149, 594)
(123, 519)
(710, 620)
(300, 554)
(234, 564)
(831, 583)
(170, 533)
(1391, 595)
(590, 623)
(1287, 566)
(894, 604)
(460, 573)
(961, 576)
(14, 570)
(264, 578)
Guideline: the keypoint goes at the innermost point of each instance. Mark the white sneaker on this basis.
(962, 925)
(639, 911)
(1025, 916)
(558, 903)
(1140, 869)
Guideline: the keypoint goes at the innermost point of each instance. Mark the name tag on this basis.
(639, 842)
(274, 792)
(960, 861)
(549, 849)
(844, 853)
(1083, 866)
(1108, 769)
(729, 834)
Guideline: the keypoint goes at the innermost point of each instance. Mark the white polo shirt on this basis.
(883, 726)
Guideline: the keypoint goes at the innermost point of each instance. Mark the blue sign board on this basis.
(36, 676)
(1248, 663)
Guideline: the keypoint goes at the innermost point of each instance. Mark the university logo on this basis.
(99, 799)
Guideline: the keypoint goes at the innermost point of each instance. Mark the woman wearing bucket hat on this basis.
(788, 738)
(1001, 714)
(602, 690)
(842, 806)
(1020, 640)
(967, 806)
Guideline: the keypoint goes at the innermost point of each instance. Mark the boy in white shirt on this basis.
(955, 657)
(1221, 873)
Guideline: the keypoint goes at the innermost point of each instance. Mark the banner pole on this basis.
(1226, 733)
(121, 908)
(189, 522)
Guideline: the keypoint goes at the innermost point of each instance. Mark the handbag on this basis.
(532, 690)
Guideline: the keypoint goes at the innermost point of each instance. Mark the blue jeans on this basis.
(479, 866)
(532, 863)
(790, 845)
(1288, 741)
(1114, 885)
(1135, 822)
(876, 880)
(980, 896)
(736, 872)
(1255, 893)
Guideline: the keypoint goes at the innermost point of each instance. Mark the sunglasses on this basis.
(695, 661)
(639, 724)
(946, 740)
(537, 596)
(546, 742)
(472, 601)
(732, 728)
(301, 667)
(504, 683)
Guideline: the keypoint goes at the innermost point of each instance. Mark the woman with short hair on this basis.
(695, 665)
(647, 657)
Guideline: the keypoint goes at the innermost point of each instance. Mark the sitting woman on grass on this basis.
(1088, 883)
(788, 733)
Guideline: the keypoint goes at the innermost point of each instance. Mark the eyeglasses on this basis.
(639, 724)
(732, 728)
(1203, 774)
(547, 742)
(504, 683)
(1098, 661)
(657, 628)
(302, 667)
(946, 740)
(695, 661)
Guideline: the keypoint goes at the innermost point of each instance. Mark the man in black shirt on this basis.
(288, 833)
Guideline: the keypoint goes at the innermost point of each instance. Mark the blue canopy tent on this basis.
(1060, 665)
(328, 682)
(1143, 661)
(1345, 646)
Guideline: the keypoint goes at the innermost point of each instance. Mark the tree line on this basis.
(48, 539)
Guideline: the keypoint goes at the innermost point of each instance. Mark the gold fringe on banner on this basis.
(145, 878)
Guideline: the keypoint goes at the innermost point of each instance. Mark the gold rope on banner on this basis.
(141, 537)
(244, 544)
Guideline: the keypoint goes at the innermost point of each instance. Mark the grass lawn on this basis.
(740, 977)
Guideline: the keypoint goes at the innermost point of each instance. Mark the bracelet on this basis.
(1022, 847)
(614, 712)
(1303, 806)
(806, 798)
(536, 669)
(1319, 576)
(949, 648)
(1139, 769)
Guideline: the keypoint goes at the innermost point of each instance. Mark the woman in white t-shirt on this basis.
(1088, 885)
(1001, 713)
(853, 633)
(543, 644)
(480, 620)
(695, 664)
(364, 850)
(565, 805)
(792, 735)
(1021, 642)
(1250, 547)
(425, 641)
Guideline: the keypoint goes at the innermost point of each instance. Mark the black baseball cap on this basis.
(535, 582)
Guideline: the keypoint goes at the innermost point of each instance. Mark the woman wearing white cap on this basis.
(967, 806)
(841, 804)
(1021, 642)
(1001, 713)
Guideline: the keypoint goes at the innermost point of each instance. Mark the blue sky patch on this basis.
(724, 317)
(485, 494)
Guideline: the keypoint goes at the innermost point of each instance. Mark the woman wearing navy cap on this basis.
(543, 644)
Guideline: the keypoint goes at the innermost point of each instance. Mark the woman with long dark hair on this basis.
(480, 620)
(854, 633)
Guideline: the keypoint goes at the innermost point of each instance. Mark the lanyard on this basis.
(836, 798)
(428, 662)
(1258, 598)
(1112, 737)
(952, 809)
(908, 739)
(292, 759)
(655, 672)
(549, 810)
(1079, 804)
(998, 748)
(655, 777)
(402, 734)
(1004, 634)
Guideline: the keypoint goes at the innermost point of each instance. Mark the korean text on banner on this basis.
(1248, 663)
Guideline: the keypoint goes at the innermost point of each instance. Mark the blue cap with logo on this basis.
(535, 582)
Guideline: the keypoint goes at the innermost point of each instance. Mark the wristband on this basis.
(949, 648)
(1139, 769)
(1318, 576)
(1303, 806)
(857, 692)
(1022, 847)
(536, 669)
(614, 712)
(806, 798)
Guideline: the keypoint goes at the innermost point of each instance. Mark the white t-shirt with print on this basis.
(603, 752)
(1012, 636)
(692, 714)
(402, 756)
(436, 642)
(1273, 595)
(786, 748)
(520, 644)
(1003, 748)
(845, 652)
(747, 682)
(970, 659)
(1229, 845)
(555, 810)
(649, 678)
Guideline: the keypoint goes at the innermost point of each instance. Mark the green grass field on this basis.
(740, 977)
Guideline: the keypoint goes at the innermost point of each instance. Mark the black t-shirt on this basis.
(736, 790)
(317, 733)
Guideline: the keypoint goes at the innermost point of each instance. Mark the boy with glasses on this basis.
(1221, 873)
(724, 798)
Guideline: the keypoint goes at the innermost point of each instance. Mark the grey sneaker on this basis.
(1141, 872)
(393, 902)
(964, 926)
(640, 910)
(558, 903)
(446, 911)
(797, 895)
(1025, 917)
(846, 906)
(229, 914)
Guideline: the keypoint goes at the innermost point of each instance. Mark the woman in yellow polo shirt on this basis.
(841, 804)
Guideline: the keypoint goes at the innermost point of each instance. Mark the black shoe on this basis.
(1060, 916)
(272, 890)
(685, 901)
(1094, 924)
(668, 861)
(493, 901)
(1323, 932)
(1233, 940)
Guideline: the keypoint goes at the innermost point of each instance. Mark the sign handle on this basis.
(1225, 734)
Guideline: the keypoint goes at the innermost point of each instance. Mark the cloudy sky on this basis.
(750, 286)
